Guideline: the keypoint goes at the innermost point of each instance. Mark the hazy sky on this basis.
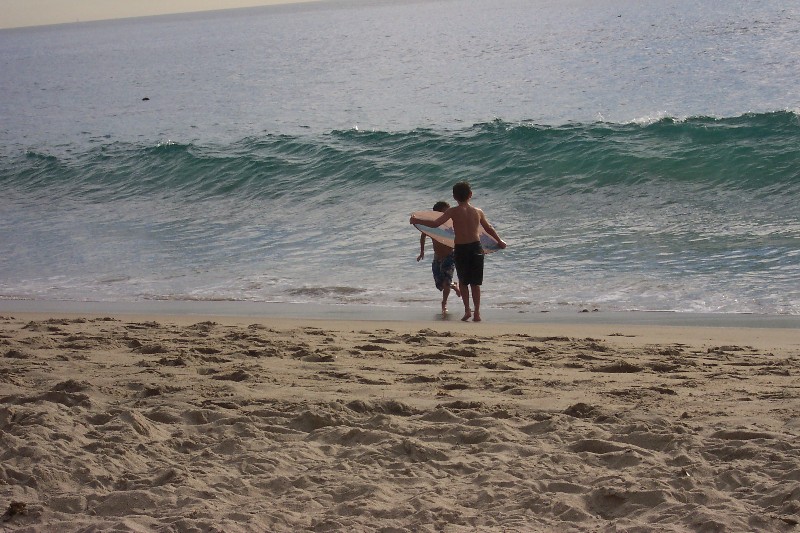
(15, 13)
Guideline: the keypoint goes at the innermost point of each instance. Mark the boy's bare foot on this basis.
(477, 317)
(467, 315)
(454, 286)
(444, 309)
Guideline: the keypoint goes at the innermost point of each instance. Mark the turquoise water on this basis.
(633, 157)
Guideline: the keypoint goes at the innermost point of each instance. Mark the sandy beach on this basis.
(184, 423)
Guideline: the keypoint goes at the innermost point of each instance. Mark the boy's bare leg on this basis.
(476, 301)
(455, 288)
(465, 298)
(445, 294)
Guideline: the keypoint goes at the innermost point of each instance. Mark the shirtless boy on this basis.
(443, 263)
(467, 221)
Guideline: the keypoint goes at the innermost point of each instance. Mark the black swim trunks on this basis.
(469, 263)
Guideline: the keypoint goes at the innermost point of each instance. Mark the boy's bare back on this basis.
(440, 251)
(467, 221)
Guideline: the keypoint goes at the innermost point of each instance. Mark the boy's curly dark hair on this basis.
(462, 191)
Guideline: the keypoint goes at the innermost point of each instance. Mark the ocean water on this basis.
(633, 156)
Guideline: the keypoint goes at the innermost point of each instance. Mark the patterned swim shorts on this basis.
(443, 271)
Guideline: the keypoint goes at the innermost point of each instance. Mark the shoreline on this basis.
(412, 313)
(708, 331)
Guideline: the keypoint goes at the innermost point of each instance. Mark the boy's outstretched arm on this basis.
(490, 230)
(432, 223)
